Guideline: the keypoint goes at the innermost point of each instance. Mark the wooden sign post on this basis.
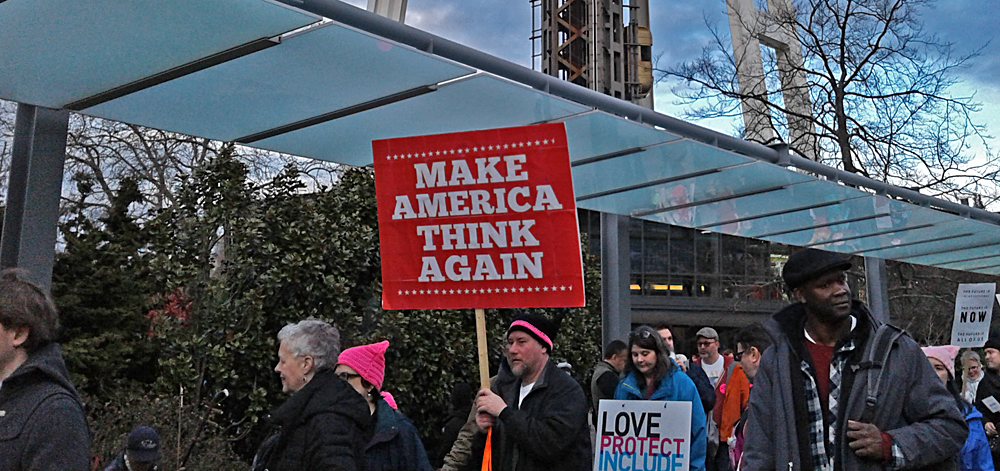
(479, 219)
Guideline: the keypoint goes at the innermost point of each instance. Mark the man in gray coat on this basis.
(42, 424)
(811, 388)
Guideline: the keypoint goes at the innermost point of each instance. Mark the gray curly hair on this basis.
(315, 338)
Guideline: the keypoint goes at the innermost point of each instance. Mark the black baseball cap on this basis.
(143, 444)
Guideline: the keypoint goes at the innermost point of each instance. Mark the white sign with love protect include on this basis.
(643, 435)
(973, 313)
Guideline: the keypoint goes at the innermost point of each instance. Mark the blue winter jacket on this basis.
(395, 444)
(676, 386)
(975, 454)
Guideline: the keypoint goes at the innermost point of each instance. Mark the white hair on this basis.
(315, 338)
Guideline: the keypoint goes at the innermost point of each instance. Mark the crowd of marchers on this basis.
(821, 385)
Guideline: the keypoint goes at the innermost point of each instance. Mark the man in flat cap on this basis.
(839, 390)
(539, 420)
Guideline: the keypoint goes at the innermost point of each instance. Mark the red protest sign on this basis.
(480, 219)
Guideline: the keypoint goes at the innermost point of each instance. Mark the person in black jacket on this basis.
(325, 424)
(607, 373)
(539, 421)
(395, 444)
(42, 423)
(461, 404)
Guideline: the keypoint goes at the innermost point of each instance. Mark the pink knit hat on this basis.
(945, 354)
(367, 360)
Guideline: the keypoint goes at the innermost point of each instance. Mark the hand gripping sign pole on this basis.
(476, 220)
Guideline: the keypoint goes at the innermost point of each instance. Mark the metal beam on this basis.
(616, 305)
(372, 23)
(878, 288)
(34, 188)
(176, 72)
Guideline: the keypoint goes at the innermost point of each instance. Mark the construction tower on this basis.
(587, 42)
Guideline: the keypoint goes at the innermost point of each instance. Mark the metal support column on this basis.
(34, 188)
(616, 303)
(878, 289)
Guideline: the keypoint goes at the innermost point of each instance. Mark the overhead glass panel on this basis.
(677, 201)
(56, 52)
(671, 161)
(950, 237)
(985, 250)
(319, 71)
(892, 229)
(850, 218)
(480, 102)
(598, 133)
(767, 212)
(972, 264)
(908, 229)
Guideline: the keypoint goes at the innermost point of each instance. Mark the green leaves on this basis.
(194, 296)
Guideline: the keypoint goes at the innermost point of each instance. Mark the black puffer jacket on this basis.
(323, 426)
(549, 431)
(42, 423)
(395, 444)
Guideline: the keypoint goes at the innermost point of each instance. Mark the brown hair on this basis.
(24, 304)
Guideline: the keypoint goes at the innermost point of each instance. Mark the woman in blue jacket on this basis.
(653, 376)
(975, 454)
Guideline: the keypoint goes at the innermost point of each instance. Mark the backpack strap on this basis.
(875, 357)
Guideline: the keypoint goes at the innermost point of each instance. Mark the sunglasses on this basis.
(640, 334)
(738, 355)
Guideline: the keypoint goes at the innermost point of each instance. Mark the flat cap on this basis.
(810, 264)
(708, 333)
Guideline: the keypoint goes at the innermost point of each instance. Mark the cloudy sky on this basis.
(502, 28)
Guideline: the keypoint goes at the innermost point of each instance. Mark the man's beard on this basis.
(520, 371)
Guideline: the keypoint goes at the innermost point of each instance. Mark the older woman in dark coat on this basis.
(324, 425)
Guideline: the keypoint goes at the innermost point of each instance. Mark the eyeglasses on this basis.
(738, 355)
(705, 343)
(347, 376)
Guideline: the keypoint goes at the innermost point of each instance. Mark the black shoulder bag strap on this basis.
(875, 358)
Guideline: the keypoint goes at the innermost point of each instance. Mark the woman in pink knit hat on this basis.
(395, 444)
(975, 454)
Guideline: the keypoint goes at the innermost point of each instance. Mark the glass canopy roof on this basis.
(256, 72)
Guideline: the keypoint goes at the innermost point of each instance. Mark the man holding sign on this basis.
(539, 421)
(840, 390)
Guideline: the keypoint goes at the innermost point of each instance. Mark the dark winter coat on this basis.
(913, 406)
(704, 385)
(323, 426)
(42, 423)
(395, 445)
(449, 433)
(549, 431)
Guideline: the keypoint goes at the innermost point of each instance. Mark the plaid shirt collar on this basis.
(822, 444)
